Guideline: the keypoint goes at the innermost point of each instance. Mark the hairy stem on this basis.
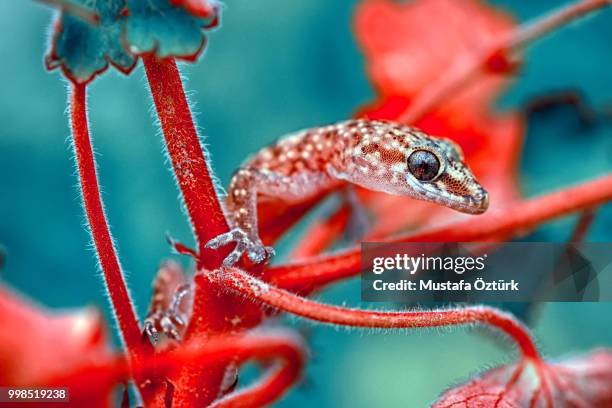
(188, 159)
(75, 9)
(98, 226)
(212, 311)
(279, 378)
(253, 288)
(284, 350)
(460, 75)
(498, 225)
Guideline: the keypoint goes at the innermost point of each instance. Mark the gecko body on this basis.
(377, 155)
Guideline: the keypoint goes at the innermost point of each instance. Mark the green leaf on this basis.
(169, 31)
(83, 50)
(200, 8)
(124, 29)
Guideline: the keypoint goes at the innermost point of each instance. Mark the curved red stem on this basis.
(75, 9)
(495, 225)
(94, 382)
(253, 288)
(265, 348)
(98, 226)
(496, 58)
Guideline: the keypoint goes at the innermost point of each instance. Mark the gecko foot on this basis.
(171, 322)
(255, 250)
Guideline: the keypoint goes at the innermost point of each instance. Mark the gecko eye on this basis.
(423, 165)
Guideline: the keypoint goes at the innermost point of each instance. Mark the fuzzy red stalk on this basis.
(213, 310)
(98, 226)
(281, 353)
(188, 161)
(252, 288)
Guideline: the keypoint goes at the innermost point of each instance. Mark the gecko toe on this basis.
(235, 235)
(231, 259)
(219, 241)
(259, 253)
(169, 328)
(170, 322)
(151, 331)
(256, 254)
(149, 328)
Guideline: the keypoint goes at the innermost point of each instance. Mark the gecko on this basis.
(377, 155)
(383, 156)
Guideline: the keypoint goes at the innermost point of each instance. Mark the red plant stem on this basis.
(582, 226)
(264, 348)
(188, 160)
(497, 225)
(253, 288)
(89, 383)
(454, 79)
(75, 9)
(213, 311)
(113, 276)
(553, 20)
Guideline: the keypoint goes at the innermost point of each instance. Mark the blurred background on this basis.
(275, 67)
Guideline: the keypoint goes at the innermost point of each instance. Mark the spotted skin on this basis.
(371, 154)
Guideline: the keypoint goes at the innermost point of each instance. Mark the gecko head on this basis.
(436, 172)
(402, 160)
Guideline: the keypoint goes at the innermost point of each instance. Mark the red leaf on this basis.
(28, 332)
(412, 45)
(582, 381)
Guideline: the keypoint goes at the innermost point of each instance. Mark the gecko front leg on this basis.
(242, 211)
(263, 180)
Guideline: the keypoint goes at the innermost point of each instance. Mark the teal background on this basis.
(274, 67)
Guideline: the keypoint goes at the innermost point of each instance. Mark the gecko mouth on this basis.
(465, 204)
(469, 204)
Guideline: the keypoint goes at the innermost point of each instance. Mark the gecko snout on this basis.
(482, 201)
